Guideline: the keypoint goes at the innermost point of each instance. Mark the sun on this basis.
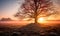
(41, 20)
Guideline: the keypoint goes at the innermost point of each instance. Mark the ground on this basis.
(31, 29)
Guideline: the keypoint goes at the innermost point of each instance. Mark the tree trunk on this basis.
(36, 16)
(36, 7)
(36, 20)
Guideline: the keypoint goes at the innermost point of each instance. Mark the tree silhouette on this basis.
(6, 19)
(35, 8)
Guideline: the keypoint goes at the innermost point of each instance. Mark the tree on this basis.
(35, 8)
(6, 19)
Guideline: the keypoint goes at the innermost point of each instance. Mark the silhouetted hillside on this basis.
(31, 27)
(36, 30)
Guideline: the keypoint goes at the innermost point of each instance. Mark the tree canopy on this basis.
(35, 8)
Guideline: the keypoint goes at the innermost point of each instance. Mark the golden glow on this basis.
(26, 19)
(41, 20)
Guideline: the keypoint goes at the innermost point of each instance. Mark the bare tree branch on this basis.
(35, 8)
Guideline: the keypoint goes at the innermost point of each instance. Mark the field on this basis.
(26, 28)
(13, 24)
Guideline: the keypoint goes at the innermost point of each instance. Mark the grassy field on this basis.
(17, 28)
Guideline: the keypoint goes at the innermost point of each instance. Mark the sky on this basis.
(9, 7)
(57, 8)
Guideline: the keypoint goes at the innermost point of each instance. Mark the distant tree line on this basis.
(5, 19)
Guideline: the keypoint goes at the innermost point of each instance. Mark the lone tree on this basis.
(35, 8)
